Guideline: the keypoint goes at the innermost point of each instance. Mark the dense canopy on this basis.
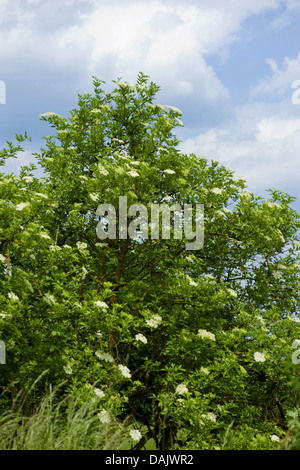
(191, 347)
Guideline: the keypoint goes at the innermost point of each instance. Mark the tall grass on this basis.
(60, 424)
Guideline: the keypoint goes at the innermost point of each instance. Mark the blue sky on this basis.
(228, 65)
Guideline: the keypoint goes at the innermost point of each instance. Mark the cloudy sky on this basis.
(230, 66)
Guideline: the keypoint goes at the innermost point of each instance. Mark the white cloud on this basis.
(293, 5)
(263, 149)
(281, 80)
(281, 21)
(275, 129)
(167, 40)
(171, 42)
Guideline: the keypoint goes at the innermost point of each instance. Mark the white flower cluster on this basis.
(81, 245)
(22, 205)
(49, 114)
(209, 417)
(50, 299)
(179, 122)
(99, 392)
(216, 191)
(101, 304)
(104, 417)
(4, 315)
(12, 296)
(54, 248)
(142, 338)
(232, 292)
(94, 196)
(124, 371)
(102, 170)
(28, 179)
(84, 272)
(295, 319)
(167, 198)
(191, 281)
(259, 357)
(104, 356)
(169, 172)
(135, 435)
(133, 173)
(245, 193)
(273, 204)
(173, 108)
(68, 369)
(206, 334)
(181, 389)
(154, 321)
(280, 235)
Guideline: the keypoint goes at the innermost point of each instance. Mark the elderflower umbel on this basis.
(124, 371)
(94, 196)
(84, 272)
(173, 108)
(170, 172)
(81, 245)
(154, 321)
(54, 248)
(191, 281)
(259, 357)
(133, 173)
(142, 338)
(101, 304)
(22, 205)
(104, 356)
(50, 299)
(104, 416)
(206, 334)
(274, 438)
(12, 296)
(232, 292)
(99, 392)
(217, 190)
(49, 114)
(68, 369)
(245, 193)
(102, 170)
(2, 259)
(208, 416)
(181, 389)
(135, 435)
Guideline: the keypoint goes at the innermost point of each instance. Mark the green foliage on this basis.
(141, 318)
